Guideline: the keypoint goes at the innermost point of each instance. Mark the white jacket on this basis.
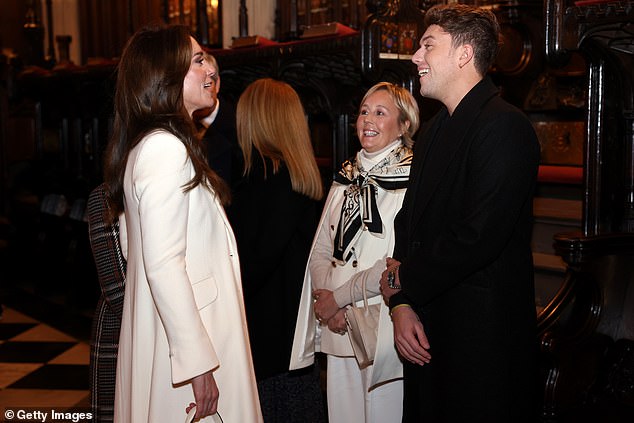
(183, 310)
(370, 253)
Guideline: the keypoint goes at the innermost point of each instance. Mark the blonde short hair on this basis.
(406, 105)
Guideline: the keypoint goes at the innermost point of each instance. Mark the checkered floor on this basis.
(40, 366)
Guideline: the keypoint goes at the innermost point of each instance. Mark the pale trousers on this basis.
(349, 400)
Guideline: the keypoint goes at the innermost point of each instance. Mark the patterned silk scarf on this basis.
(359, 207)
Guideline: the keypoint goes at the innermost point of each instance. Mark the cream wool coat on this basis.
(183, 311)
(371, 251)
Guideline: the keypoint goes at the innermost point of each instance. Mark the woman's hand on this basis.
(205, 394)
(337, 323)
(325, 305)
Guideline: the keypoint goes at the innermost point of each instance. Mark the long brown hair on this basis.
(149, 96)
(271, 120)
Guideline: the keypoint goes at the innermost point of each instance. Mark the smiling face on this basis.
(437, 63)
(378, 123)
(199, 88)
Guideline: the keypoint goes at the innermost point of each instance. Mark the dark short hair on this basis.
(469, 25)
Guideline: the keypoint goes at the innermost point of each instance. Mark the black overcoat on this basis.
(274, 228)
(463, 236)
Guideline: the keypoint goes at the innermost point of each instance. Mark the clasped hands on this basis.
(409, 334)
(328, 311)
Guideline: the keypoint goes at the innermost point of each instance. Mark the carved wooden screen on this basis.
(203, 16)
(105, 26)
(295, 15)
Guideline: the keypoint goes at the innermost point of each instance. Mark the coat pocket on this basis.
(205, 292)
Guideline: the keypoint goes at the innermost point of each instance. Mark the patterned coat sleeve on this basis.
(111, 268)
(106, 250)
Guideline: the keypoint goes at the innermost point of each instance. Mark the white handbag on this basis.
(215, 418)
(363, 327)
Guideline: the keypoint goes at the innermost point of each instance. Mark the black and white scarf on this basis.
(359, 207)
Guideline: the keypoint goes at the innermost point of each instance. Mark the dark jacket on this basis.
(274, 228)
(221, 142)
(463, 237)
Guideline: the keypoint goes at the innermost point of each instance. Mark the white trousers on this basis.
(349, 400)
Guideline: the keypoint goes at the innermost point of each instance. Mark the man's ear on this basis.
(466, 55)
(217, 84)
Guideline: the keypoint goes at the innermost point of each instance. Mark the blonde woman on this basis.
(353, 240)
(274, 215)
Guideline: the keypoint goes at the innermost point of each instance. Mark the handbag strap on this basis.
(365, 294)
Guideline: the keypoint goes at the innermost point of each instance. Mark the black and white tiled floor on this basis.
(41, 366)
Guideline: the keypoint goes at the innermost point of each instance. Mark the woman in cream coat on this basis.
(353, 239)
(184, 346)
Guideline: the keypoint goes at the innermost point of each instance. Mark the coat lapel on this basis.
(446, 136)
(422, 150)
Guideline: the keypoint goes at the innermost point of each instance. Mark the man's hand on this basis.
(391, 272)
(409, 335)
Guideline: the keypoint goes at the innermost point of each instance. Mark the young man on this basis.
(460, 286)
